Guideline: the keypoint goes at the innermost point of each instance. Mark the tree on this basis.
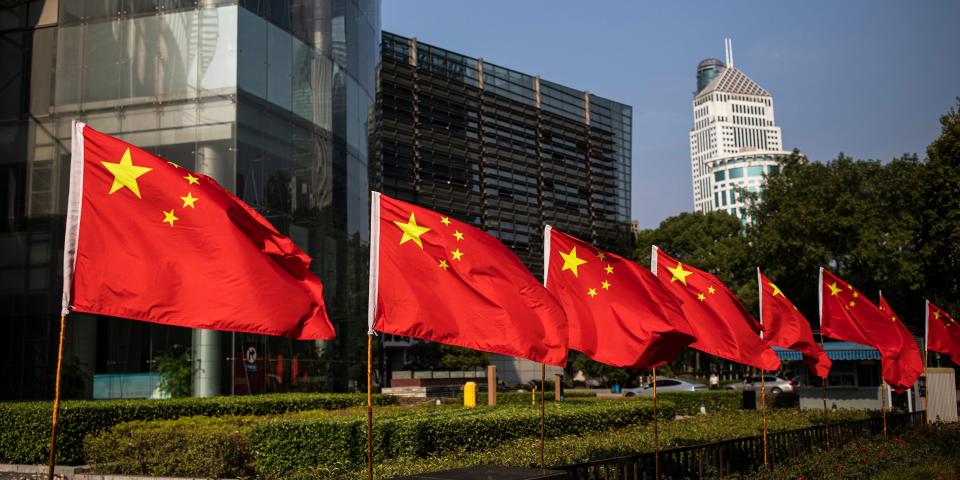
(433, 355)
(940, 239)
(175, 372)
(605, 374)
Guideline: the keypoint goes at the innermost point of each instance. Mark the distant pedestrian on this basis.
(714, 381)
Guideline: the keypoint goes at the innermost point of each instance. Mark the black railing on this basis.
(737, 455)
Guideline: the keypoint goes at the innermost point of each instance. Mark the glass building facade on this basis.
(503, 150)
(271, 98)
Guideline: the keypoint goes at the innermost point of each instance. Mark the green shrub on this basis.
(283, 446)
(25, 427)
(193, 446)
(688, 403)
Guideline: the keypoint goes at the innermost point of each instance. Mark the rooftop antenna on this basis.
(728, 51)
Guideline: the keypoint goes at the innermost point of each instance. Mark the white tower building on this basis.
(734, 141)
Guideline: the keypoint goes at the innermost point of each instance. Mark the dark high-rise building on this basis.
(502, 150)
(270, 98)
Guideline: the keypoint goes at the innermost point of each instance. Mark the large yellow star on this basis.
(936, 314)
(168, 217)
(411, 231)
(125, 174)
(776, 289)
(679, 273)
(189, 200)
(834, 289)
(571, 261)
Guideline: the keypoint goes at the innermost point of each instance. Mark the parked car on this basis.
(775, 385)
(665, 385)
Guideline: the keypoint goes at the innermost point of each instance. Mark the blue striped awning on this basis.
(836, 351)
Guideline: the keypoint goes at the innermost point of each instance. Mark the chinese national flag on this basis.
(149, 240)
(907, 366)
(846, 314)
(619, 313)
(435, 278)
(784, 326)
(943, 332)
(722, 325)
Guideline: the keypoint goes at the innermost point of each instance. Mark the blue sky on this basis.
(868, 78)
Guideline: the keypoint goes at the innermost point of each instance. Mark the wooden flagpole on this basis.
(883, 405)
(656, 429)
(823, 394)
(56, 399)
(543, 378)
(370, 406)
(763, 411)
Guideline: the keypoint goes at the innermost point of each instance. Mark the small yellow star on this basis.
(174, 164)
(189, 200)
(571, 261)
(856, 295)
(701, 296)
(125, 174)
(592, 292)
(605, 284)
(168, 217)
(849, 287)
(609, 269)
(457, 254)
(893, 318)
(776, 289)
(834, 289)
(679, 273)
(411, 231)
(711, 290)
(191, 179)
(853, 304)
(445, 221)
(443, 264)
(601, 256)
(458, 234)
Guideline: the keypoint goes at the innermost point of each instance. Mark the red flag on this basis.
(847, 314)
(722, 325)
(943, 332)
(906, 368)
(619, 313)
(784, 326)
(149, 240)
(434, 278)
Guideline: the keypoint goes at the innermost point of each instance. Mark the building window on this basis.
(755, 171)
(719, 175)
(773, 170)
(723, 195)
(736, 172)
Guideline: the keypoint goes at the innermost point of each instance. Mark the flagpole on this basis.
(370, 407)
(56, 398)
(883, 405)
(823, 381)
(763, 411)
(543, 378)
(656, 429)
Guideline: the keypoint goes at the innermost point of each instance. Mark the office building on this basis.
(734, 141)
(503, 150)
(269, 98)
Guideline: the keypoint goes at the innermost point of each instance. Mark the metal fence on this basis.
(737, 455)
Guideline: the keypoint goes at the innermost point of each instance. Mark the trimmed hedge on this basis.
(283, 446)
(199, 446)
(25, 427)
(688, 403)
